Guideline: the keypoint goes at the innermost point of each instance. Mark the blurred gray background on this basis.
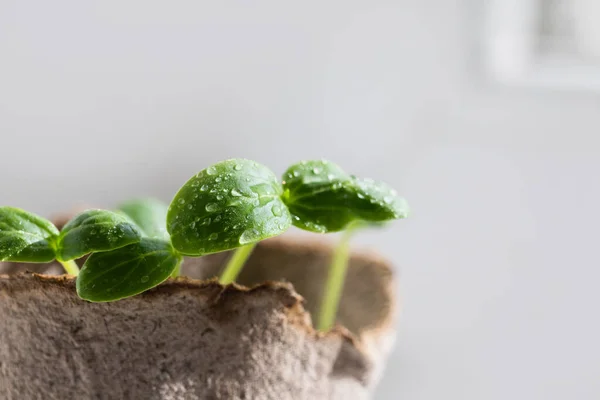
(102, 101)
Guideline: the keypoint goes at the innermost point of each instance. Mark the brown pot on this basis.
(197, 339)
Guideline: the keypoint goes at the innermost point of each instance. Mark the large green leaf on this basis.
(149, 214)
(93, 231)
(127, 271)
(322, 198)
(25, 237)
(232, 203)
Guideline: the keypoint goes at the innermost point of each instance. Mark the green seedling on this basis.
(323, 198)
(26, 237)
(231, 205)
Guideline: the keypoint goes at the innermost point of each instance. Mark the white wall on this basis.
(101, 101)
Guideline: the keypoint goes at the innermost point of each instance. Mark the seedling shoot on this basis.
(231, 205)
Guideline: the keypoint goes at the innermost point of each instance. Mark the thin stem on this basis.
(335, 282)
(70, 267)
(235, 264)
(177, 271)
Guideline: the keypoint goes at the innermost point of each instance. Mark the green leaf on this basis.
(323, 198)
(127, 271)
(148, 214)
(93, 231)
(230, 204)
(25, 237)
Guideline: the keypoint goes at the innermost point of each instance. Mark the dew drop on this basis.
(235, 193)
(181, 201)
(249, 236)
(218, 179)
(316, 171)
(212, 207)
(296, 173)
(203, 188)
(219, 197)
(387, 199)
(211, 170)
(213, 236)
(330, 176)
(193, 225)
(360, 195)
(237, 167)
(276, 210)
(145, 278)
(217, 218)
(206, 221)
(190, 207)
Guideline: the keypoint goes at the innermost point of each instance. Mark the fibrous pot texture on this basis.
(196, 339)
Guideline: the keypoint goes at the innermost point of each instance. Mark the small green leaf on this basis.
(127, 271)
(149, 214)
(230, 204)
(322, 198)
(25, 237)
(93, 231)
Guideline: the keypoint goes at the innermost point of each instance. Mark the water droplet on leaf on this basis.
(276, 210)
(212, 207)
(235, 193)
(211, 170)
(249, 236)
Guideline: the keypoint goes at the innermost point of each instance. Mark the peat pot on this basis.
(192, 338)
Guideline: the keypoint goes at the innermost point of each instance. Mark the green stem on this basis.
(235, 264)
(177, 271)
(70, 267)
(335, 282)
